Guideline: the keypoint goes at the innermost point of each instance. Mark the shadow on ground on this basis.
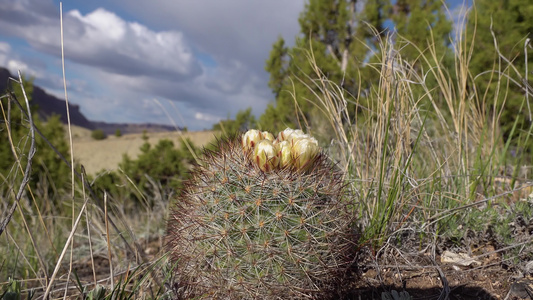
(456, 293)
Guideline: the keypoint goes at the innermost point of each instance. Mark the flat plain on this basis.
(106, 154)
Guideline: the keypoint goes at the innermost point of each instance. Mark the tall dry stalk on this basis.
(420, 141)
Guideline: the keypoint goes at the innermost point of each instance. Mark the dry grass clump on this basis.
(424, 154)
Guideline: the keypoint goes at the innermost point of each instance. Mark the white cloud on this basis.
(14, 66)
(103, 24)
(4, 48)
(206, 117)
(14, 63)
(130, 48)
(228, 30)
(104, 40)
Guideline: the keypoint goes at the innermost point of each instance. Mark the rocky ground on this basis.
(476, 267)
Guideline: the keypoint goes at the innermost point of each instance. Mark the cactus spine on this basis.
(262, 218)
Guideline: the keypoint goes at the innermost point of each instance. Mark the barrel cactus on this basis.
(262, 217)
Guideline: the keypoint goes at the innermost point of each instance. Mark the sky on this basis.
(188, 63)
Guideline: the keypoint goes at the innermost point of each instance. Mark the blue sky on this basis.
(139, 61)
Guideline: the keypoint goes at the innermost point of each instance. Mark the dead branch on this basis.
(31, 153)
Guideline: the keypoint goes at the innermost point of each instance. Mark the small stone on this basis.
(528, 269)
(458, 259)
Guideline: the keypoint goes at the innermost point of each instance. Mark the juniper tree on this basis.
(342, 37)
(502, 26)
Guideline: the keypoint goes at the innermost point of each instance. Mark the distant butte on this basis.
(48, 105)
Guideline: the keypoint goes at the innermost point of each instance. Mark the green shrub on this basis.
(145, 136)
(98, 134)
(163, 162)
(50, 175)
(163, 167)
(243, 120)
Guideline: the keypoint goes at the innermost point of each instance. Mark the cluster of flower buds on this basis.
(291, 148)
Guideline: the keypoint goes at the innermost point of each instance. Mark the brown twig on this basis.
(70, 138)
(69, 239)
(110, 255)
(445, 286)
(88, 230)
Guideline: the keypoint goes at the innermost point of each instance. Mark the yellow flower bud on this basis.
(304, 152)
(251, 138)
(288, 134)
(268, 136)
(265, 155)
(284, 153)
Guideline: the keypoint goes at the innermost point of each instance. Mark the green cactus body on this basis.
(238, 232)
